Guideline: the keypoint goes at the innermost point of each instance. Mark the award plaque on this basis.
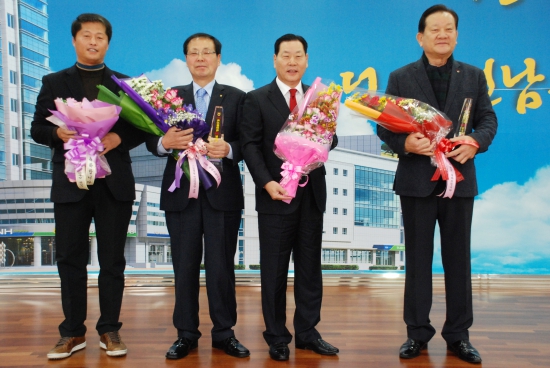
(217, 132)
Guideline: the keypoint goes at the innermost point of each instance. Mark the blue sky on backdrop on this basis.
(512, 216)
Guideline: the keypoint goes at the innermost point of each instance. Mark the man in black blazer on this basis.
(444, 83)
(108, 201)
(295, 228)
(214, 215)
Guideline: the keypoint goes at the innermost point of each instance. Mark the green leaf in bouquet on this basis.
(130, 110)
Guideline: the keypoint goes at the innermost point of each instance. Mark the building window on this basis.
(241, 252)
(15, 159)
(10, 20)
(335, 211)
(13, 77)
(335, 170)
(13, 104)
(335, 191)
(14, 132)
(345, 231)
(335, 230)
(334, 256)
(344, 211)
(345, 192)
(345, 172)
(11, 48)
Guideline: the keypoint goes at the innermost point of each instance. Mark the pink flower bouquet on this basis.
(91, 121)
(304, 140)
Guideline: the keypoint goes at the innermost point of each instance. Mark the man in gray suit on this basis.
(444, 83)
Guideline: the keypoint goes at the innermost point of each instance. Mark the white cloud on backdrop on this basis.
(511, 228)
(176, 73)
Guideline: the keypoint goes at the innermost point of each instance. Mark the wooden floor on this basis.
(511, 329)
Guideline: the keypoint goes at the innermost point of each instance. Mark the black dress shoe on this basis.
(232, 347)
(411, 348)
(465, 351)
(181, 347)
(279, 351)
(319, 346)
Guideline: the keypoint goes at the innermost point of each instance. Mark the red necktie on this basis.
(292, 99)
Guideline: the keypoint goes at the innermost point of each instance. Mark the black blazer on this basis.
(67, 83)
(265, 111)
(229, 195)
(414, 172)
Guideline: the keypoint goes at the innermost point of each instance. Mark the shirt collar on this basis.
(208, 88)
(284, 88)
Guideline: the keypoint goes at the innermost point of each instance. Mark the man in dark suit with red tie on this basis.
(215, 215)
(108, 201)
(284, 229)
(444, 83)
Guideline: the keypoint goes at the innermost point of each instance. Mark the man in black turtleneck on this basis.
(443, 82)
(108, 201)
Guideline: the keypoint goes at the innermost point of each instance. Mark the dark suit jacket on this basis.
(414, 172)
(229, 195)
(265, 111)
(67, 83)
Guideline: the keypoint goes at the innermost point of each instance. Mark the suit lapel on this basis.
(422, 79)
(74, 84)
(108, 81)
(186, 92)
(278, 100)
(453, 85)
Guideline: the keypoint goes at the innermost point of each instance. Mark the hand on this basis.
(65, 134)
(217, 148)
(464, 152)
(419, 144)
(276, 191)
(176, 138)
(110, 141)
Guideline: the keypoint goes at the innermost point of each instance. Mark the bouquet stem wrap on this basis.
(304, 140)
(194, 154)
(406, 115)
(92, 121)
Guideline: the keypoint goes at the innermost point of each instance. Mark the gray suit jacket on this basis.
(415, 171)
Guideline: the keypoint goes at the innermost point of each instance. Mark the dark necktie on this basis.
(292, 103)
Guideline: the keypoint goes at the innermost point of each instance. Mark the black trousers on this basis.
(454, 217)
(72, 224)
(220, 230)
(300, 234)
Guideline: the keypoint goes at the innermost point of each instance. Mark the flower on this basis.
(151, 108)
(305, 139)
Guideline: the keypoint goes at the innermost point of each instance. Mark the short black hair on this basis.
(290, 37)
(91, 18)
(435, 9)
(217, 43)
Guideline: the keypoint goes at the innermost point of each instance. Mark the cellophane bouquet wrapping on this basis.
(153, 109)
(304, 141)
(407, 115)
(91, 120)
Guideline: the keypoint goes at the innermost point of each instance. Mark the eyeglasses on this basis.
(202, 53)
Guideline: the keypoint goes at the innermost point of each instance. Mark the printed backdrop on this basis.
(358, 43)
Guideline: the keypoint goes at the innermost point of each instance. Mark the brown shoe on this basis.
(66, 346)
(111, 342)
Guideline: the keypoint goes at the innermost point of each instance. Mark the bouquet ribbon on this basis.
(445, 169)
(82, 153)
(194, 154)
(291, 176)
